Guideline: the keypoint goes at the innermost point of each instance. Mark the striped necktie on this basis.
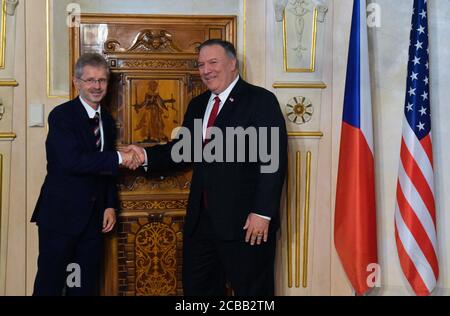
(95, 123)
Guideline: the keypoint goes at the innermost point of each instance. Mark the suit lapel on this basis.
(83, 122)
(202, 105)
(234, 99)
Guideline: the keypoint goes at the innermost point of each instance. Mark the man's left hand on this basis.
(109, 220)
(257, 229)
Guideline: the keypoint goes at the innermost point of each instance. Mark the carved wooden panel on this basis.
(150, 254)
(153, 78)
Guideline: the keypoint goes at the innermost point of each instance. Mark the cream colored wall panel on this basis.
(302, 20)
(315, 88)
(305, 235)
(254, 51)
(301, 108)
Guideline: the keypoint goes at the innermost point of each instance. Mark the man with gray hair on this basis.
(78, 199)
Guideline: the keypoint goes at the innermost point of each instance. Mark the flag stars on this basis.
(423, 111)
(418, 45)
(409, 107)
(416, 60)
(421, 30)
(414, 76)
(421, 126)
(427, 65)
(423, 14)
(426, 80)
(424, 95)
(412, 91)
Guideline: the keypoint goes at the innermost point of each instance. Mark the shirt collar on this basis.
(224, 95)
(90, 111)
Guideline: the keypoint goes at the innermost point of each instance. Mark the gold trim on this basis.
(244, 62)
(3, 35)
(297, 219)
(313, 48)
(9, 83)
(288, 224)
(299, 85)
(49, 79)
(306, 220)
(8, 135)
(305, 134)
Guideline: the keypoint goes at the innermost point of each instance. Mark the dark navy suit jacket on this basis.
(233, 189)
(80, 180)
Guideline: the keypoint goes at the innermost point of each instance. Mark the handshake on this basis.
(133, 156)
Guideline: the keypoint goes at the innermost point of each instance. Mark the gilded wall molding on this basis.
(8, 137)
(8, 83)
(299, 85)
(306, 134)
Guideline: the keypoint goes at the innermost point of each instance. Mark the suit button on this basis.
(94, 198)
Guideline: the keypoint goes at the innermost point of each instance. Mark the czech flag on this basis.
(355, 231)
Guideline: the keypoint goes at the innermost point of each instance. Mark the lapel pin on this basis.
(231, 99)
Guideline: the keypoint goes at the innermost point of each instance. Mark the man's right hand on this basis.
(139, 151)
(132, 156)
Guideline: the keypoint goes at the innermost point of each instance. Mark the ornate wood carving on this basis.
(155, 64)
(136, 183)
(146, 41)
(150, 255)
(127, 205)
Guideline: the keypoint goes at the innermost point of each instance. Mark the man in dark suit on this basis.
(233, 208)
(78, 199)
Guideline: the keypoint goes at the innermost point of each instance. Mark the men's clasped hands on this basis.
(133, 157)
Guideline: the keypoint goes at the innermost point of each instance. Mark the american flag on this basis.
(415, 213)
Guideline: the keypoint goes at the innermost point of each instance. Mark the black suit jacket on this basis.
(80, 180)
(233, 189)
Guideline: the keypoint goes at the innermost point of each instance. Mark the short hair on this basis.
(227, 46)
(90, 59)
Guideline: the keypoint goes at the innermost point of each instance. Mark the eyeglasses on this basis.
(92, 81)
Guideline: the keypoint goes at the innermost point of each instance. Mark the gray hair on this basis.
(90, 59)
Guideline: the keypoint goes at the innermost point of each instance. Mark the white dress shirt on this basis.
(91, 113)
(223, 96)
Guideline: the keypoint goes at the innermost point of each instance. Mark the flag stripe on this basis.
(419, 207)
(365, 94)
(412, 275)
(427, 244)
(415, 175)
(420, 155)
(415, 254)
(427, 147)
